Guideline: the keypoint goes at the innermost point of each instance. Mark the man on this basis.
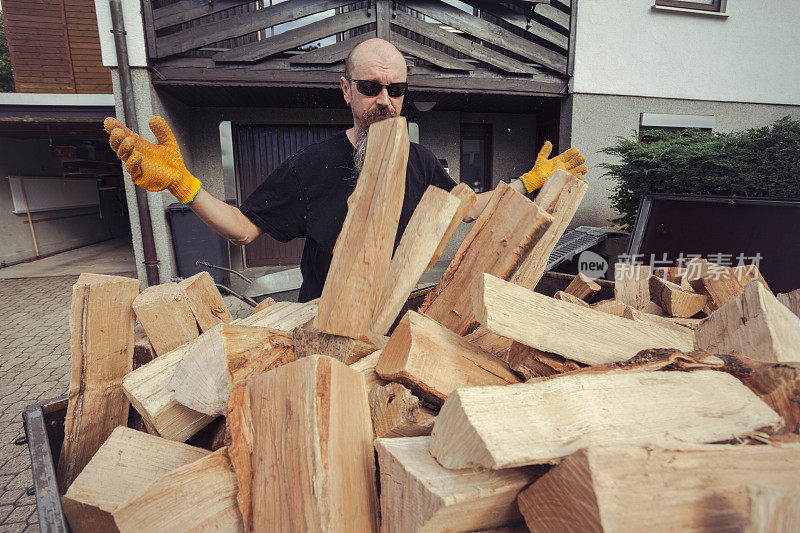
(307, 195)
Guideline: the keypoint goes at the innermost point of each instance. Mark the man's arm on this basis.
(225, 219)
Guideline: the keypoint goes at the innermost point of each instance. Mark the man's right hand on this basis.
(155, 167)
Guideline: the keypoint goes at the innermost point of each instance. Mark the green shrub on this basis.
(761, 162)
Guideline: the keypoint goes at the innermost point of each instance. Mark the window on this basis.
(654, 126)
(701, 5)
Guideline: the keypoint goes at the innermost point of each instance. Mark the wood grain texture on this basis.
(582, 286)
(397, 413)
(537, 423)
(791, 300)
(583, 335)
(148, 389)
(753, 324)
(611, 307)
(423, 235)
(674, 300)
(199, 496)
(164, 313)
(631, 284)
(418, 494)
(773, 510)
(221, 356)
(285, 316)
(308, 341)
(205, 301)
(239, 416)
(101, 326)
(313, 463)
(720, 284)
(364, 247)
(699, 488)
(569, 298)
(366, 367)
(498, 243)
(467, 198)
(126, 463)
(532, 363)
(433, 361)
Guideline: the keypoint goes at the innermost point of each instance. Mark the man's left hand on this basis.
(571, 161)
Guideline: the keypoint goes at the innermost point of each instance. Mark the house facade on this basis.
(246, 84)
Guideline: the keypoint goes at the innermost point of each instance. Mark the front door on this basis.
(259, 150)
(476, 156)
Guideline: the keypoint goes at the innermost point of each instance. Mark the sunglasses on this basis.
(374, 88)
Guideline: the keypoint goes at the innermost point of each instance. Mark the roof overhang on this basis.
(39, 115)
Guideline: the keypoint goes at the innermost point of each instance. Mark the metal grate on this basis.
(574, 242)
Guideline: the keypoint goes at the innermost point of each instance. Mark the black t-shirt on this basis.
(306, 197)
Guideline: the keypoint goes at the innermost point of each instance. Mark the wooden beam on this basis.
(460, 44)
(631, 284)
(557, 417)
(433, 361)
(364, 247)
(205, 301)
(520, 20)
(308, 341)
(423, 235)
(582, 286)
(791, 300)
(467, 197)
(753, 324)
(397, 413)
(559, 197)
(431, 55)
(312, 456)
(498, 243)
(490, 33)
(149, 392)
(583, 335)
(333, 53)
(284, 316)
(418, 494)
(674, 300)
(101, 326)
(297, 37)
(166, 317)
(242, 24)
(221, 356)
(126, 463)
(199, 496)
(702, 487)
(188, 10)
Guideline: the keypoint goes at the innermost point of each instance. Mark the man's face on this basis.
(370, 109)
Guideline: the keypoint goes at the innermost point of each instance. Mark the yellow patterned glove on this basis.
(571, 161)
(153, 166)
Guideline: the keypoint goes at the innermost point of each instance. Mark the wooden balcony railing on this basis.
(517, 46)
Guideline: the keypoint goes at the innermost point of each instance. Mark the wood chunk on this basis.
(701, 488)
(149, 392)
(631, 284)
(721, 284)
(418, 494)
(308, 341)
(646, 318)
(165, 315)
(489, 342)
(531, 363)
(675, 300)
(143, 351)
(557, 417)
(611, 307)
(222, 355)
(364, 247)
(467, 198)
(205, 300)
(773, 510)
(285, 316)
(312, 461)
(559, 197)
(263, 304)
(238, 413)
(582, 335)
(397, 413)
(754, 324)
(791, 300)
(567, 297)
(422, 236)
(199, 496)
(433, 361)
(652, 309)
(123, 467)
(582, 286)
(498, 242)
(366, 367)
(101, 326)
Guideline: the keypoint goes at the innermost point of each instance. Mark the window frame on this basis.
(717, 6)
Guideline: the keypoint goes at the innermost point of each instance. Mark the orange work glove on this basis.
(153, 166)
(571, 161)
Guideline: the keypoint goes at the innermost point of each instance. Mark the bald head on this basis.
(373, 52)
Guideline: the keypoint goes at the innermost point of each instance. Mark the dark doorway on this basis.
(260, 150)
(476, 156)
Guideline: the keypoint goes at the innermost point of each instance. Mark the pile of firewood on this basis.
(491, 407)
